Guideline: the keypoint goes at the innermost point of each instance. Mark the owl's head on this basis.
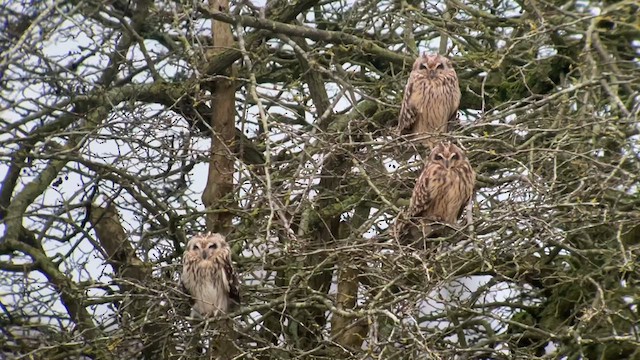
(433, 66)
(205, 246)
(447, 155)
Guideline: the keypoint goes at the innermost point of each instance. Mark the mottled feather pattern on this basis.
(443, 189)
(441, 194)
(431, 99)
(208, 275)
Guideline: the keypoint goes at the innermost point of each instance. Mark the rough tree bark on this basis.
(347, 331)
(131, 274)
(218, 193)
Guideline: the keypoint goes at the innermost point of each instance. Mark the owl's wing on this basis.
(408, 112)
(469, 182)
(184, 290)
(422, 195)
(464, 205)
(406, 228)
(466, 199)
(454, 121)
(232, 278)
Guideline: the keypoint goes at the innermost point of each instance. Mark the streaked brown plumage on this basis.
(442, 190)
(431, 99)
(208, 275)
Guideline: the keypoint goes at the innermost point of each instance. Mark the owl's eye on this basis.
(423, 67)
(440, 66)
(439, 157)
(196, 247)
(455, 157)
(213, 246)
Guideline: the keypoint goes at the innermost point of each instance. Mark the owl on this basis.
(431, 99)
(442, 190)
(208, 276)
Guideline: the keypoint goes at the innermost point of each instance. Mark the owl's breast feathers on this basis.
(444, 203)
(434, 103)
(212, 286)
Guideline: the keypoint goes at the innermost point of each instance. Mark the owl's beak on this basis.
(432, 73)
(204, 254)
(446, 163)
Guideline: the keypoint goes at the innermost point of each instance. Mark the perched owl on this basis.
(431, 99)
(442, 190)
(208, 275)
